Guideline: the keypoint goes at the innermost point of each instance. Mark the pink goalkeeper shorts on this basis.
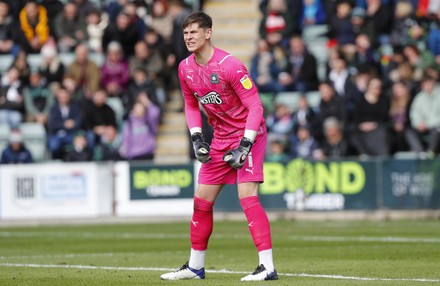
(217, 172)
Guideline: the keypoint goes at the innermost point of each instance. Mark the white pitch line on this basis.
(224, 271)
(386, 239)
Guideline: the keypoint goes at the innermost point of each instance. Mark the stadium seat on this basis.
(314, 98)
(289, 98)
(116, 104)
(4, 136)
(313, 32)
(34, 137)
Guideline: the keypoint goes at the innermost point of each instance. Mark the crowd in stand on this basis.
(90, 110)
(379, 93)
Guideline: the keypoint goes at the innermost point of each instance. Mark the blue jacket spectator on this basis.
(16, 152)
(64, 121)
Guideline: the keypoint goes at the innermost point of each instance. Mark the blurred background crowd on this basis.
(338, 78)
(376, 93)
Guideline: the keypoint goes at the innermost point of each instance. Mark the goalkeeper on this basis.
(221, 84)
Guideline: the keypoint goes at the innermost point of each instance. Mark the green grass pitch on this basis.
(306, 253)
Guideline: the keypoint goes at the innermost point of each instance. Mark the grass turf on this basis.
(381, 253)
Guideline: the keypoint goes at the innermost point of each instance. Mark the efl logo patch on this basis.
(246, 82)
(214, 78)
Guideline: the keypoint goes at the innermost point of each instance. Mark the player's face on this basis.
(195, 37)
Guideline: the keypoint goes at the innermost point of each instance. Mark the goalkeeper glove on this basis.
(237, 157)
(201, 148)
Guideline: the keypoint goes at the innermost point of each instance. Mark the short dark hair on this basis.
(201, 18)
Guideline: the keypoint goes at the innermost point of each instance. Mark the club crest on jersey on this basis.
(214, 78)
(209, 98)
(246, 82)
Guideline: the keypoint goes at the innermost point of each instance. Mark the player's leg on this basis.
(259, 228)
(200, 230)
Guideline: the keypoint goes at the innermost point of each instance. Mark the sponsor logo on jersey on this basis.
(214, 78)
(209, 98)
(246, 82)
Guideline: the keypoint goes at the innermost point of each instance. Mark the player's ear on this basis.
(208, 33)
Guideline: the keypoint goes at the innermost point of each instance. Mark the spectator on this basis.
(76, 93)
(331, 105)
(114, 72)
(52, 68)
(161, 20)
(371, 117)
(64, 121)
(38, 99)
(131, 9)
(150, 60)
(340, 78)
(381, 16)
(364, 58)
(264, 68)
(21, 63)
(108, 148)
(140, 130)
(419, 59)
(96, 23)
(70, 28)
(434, 37)
(425, 114)
(178, 11)
(97, 117)
(403, 136)
(34, 27)
(84, 7)
(8, 33)
(335, 145)
(277, 151)
(143, 85)
(53, 8)
(405, 25)
(301, 71)
(113, 8)
(341, 25)
(277, 24)
(313, 13)
(11, 99)
(280, 122)
(79, 151)
(303, 145)
(123, 32)
(16, 152)
(306, 116)
(361, 25)
(84, 71)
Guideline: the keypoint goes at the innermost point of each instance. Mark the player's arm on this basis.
(244, 87)
(194, 121)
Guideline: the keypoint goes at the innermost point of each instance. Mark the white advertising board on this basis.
(54, 191)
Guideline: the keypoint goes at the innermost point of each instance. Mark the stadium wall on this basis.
(143, 189)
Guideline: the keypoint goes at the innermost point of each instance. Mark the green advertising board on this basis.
(411, 184)
(305, 185)
(161, 182)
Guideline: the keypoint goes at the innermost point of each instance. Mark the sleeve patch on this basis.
(246, 82)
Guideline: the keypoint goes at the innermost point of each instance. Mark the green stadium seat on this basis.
(34, 137)
(289, 98)
(4, 136)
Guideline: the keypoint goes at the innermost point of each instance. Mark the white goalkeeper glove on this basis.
(201, 148)
(237, 157)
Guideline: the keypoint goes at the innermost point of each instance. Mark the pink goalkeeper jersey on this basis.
(226, 92)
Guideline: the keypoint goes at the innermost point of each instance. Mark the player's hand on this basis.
(201, 148)
(237, 157)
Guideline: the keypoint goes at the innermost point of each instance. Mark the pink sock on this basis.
(201, 224)
(257, 221)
